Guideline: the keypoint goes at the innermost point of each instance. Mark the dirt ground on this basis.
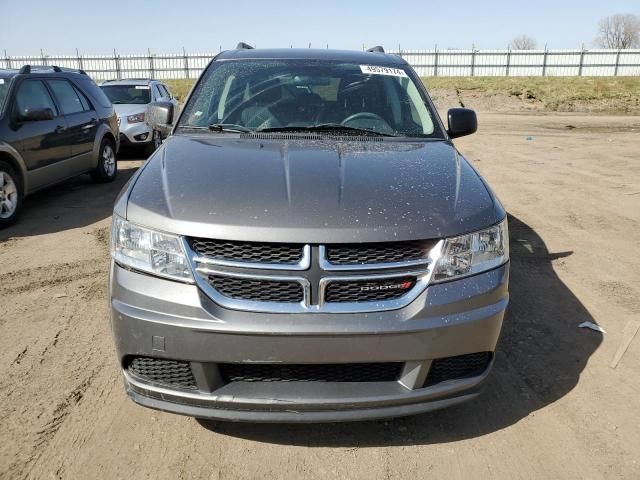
(554, 407)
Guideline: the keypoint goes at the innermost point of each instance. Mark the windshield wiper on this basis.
(327, 127)
(229, 127)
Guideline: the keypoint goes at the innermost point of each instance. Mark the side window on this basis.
(95, 92)
(156, 92)
(86, 106)
(165, 91)
(33, 95)
(419, 111)
(67, 96)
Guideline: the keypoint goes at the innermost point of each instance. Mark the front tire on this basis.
(107, 168)
(10, 195)
(154, 144)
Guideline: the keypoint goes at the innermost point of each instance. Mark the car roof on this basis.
(7, 73)
(365, 58)
(130, 81)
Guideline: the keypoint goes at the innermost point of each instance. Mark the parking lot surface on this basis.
(554, 407)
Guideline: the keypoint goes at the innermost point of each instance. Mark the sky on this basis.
(59, 27)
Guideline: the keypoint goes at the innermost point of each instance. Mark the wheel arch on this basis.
(13, 158)
(102, 133)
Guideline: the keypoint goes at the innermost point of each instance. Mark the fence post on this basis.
(151, 69)
(43, 57)
(581, 61)
(473, 60)
(435, 63)
(116, 59)
(186, 63)
(79, 59)
(615, 72)
(508, 61)
(544, 61)
(7, 59)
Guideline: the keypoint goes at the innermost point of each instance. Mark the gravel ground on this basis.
(554, 407)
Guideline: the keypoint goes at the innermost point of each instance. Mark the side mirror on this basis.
(159, 116)
(35, 114)
(462, 121)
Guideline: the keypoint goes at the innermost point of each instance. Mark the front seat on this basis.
(264, 96)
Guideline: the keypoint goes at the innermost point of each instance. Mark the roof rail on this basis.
(27, 69)
(243, 46)
(376, 49)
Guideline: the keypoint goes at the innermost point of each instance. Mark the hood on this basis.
(309, 191)
(124, 109)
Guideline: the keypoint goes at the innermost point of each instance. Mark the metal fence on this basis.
(427, 63)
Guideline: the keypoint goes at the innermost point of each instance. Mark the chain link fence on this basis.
(427, 63)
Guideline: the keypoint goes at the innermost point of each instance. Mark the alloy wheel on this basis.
(109, 160)
(8, 195)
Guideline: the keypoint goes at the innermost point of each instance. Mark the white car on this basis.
(130, 98)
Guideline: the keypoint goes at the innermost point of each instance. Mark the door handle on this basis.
(92, 123)
(60, 129)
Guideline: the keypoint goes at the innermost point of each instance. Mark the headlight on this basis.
(149, 251)
(473, 253)
(137, 118)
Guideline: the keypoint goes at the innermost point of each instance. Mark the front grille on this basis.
(368, 291)
(255, 276)
(372, 253)
(452, 368)
(250, 252)
(258, 290)
(348, 372)
(171, 373)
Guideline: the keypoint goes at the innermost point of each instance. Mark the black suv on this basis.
(55, 123)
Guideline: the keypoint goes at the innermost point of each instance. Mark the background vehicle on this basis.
(307, 245)
(130, 98)
(54, 124)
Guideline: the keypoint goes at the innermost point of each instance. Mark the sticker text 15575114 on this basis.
(376, 70)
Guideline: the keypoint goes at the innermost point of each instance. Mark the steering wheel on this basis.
(363, 116)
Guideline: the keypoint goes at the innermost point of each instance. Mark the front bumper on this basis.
(137, 133)
(163, 319)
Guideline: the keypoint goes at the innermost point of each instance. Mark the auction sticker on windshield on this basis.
(375, 70)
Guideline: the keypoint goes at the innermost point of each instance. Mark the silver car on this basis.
(130, 98)
(307, 245)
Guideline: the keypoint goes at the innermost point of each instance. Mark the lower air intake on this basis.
(348, 372)
(169, 373)
(455, 368)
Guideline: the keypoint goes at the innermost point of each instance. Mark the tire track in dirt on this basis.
(21, 281)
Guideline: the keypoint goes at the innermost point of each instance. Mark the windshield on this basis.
(128, 94)
(4, 89)
(302, 94)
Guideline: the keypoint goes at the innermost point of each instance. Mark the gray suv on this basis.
(130, 98)
(54, 124)
(307, 245)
